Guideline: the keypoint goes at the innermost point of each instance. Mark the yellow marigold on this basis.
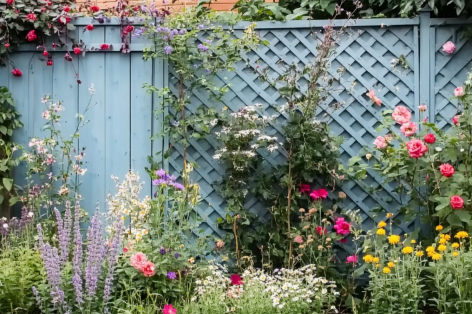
(436, 256)
(381, 224)
(430, 249)
(376, 260)
(461, 235)
(386, 270)
(368, 258)
(455, 245)
(377, 265)
(389, 215)
(430, 254)
(419, 253)
(442, 247)
(390, 264)
(439, 228)
(442, 241)
(381, 231)
(447, 237)
(455, 253)
(394, 239)
(413, 241)
(407, 250)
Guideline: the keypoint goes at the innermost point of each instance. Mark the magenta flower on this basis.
(342, 226)
(320, 193)
(351, 259)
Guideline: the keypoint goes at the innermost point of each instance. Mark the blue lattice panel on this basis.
(365, 53)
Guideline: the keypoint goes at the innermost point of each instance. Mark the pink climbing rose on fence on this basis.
(449, 47)
(446, 170)
(416, 148)
(380, 142)
(459, 92)
(456, 202)
(409, 128)
(401, 115)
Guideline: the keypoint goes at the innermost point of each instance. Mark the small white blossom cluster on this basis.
(127, 205)
(283, 289)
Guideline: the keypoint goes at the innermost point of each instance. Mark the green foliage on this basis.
(9, 122)
(21, 269)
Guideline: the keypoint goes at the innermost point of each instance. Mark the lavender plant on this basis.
(77, 283)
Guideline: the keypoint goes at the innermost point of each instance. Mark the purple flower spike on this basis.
(168, 50)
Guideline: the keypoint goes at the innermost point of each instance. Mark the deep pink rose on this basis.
(459, 91)
(416, 148)
(236, 280)
(409, 128)
(449, 47)
(304, 188)
(456, 202)
(138, 260)
(455, 119)
(401, 115)
(429, 138)
(380, 142)
(341, 226)
(320, 193)
(446, 170)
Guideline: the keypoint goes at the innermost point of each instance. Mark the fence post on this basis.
(425, 60)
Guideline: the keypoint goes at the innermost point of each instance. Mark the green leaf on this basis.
(463, 215)
(454, 220)
(7, 183)
(3, 129)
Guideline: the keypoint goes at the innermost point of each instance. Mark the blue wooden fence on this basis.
(117, 137)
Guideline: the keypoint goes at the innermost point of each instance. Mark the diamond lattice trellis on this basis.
(365, 53)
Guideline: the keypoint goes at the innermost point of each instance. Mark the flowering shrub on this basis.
(283, 291)
(427, 164)
(82, 283)
(160, 251)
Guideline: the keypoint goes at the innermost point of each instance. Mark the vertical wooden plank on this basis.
(117, 69)
(40, 84)
(425, 46)
(5, 76)
(142, 118)
(93, 135)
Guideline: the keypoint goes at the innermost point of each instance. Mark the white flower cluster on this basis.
(126, 203)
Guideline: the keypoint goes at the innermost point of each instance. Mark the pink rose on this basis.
(430, 138)
(138, 260)
(351, 259)
(455, 120)
(409, 128)
(456, 202)
(401, 115)
(149, 269)
(446, 170)
(373, 98)
(422, 108)
(449, 47)
(298, 239)
(459, 91)
(416, 148)
(169, 309)
(320, 193)
(342, 226)
(380, 142)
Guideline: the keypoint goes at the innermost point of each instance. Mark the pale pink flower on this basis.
(422, 108)
(401, 115)
(449, 47)
(138, 260)
(416, 148)
(459, 91)
(298, 239)
(409, 128)
(380, 142)
(373, 98)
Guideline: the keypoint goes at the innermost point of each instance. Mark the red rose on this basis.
(446, 170)
(455, 120)
(94, 8)
(66, 9)
(304, 188)
(10, 2)
(45, 53)
(31, 17)
(7, 45)
(104, 47)
(128, 29)
(321, 230)
(89, 27)
(77, 51)
(429, 138)
(64, 20)
(416, 148)
(456, 202)
(16, 72)
(68, 57)
(49, 63)
(31, 35)
(54, 45)
(236, 280)
(49, 3)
